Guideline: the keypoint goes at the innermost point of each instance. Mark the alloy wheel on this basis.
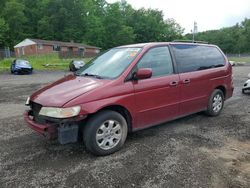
(217, 103)
(108, 134)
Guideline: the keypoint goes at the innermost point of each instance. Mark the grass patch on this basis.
(38, 62)
(240, 59)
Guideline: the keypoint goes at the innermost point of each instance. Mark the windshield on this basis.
(22, 63)
(110, 64)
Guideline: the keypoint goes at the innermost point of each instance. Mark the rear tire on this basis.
(105, 133)
(216, 103)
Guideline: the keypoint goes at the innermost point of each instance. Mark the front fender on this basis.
(125, 101)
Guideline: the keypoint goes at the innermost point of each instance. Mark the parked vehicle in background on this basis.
(246, 86)
(20, 66)
(75, 65)
(129, 88)
(232, 63)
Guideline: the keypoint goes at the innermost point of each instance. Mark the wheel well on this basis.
(123, 111)
(223, 89)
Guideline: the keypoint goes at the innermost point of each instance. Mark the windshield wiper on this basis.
(93, 75)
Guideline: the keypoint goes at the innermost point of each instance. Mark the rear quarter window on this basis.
(191, 58)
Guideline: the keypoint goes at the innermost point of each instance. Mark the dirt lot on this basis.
(195, 151)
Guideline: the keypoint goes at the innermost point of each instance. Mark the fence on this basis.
(6, 53)
(75, 54)
(238, 55)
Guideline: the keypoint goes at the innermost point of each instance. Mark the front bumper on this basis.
(246, 85)
(24, 70)
(47, 130)
(66, 130)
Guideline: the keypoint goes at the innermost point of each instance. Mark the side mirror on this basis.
(143, 73)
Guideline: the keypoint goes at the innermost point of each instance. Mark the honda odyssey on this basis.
(129, 88)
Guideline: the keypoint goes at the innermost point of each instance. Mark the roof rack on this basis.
(191, 41)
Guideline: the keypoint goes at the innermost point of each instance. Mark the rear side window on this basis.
(191, 58)
(159, 60)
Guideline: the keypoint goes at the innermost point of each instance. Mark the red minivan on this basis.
(129, 88)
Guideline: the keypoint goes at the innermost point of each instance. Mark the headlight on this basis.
(60, 112)
(27, 103)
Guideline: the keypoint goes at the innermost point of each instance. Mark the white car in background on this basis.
(75, 65)
(232, 63)
(246, 86)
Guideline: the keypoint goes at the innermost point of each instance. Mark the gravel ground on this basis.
(195, 151)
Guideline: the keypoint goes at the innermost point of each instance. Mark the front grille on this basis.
(25, 70)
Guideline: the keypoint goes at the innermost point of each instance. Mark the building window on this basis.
(40, 46)
(56, 48)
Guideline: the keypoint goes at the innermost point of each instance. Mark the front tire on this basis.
(105, 133)
(216, 103)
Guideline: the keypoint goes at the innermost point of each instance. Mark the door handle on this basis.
(174, 83)
(186, 81)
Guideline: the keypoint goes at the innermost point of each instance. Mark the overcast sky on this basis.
(209, 14)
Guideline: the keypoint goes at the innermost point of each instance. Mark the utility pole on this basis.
(123, 1)
(195, 29)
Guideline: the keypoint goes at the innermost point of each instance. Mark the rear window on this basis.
(191, 58)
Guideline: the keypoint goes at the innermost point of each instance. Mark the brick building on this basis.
(37, 46)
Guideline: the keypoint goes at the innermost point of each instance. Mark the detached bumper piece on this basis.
(68, 134)
(65, 131)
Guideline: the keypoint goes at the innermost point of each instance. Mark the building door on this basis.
(22, 49)
(81, 52)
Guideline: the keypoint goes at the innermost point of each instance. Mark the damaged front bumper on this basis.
(66, 130)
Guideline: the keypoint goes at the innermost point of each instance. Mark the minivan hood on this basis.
(64, 90)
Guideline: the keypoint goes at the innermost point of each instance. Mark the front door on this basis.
(157, 98)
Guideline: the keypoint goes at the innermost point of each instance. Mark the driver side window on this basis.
(159, 60)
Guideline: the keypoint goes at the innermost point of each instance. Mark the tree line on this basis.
(94, 22)
(98, 23)
(235, 39)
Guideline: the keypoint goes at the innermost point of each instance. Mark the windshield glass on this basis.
(110, 64)
(22, 63)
